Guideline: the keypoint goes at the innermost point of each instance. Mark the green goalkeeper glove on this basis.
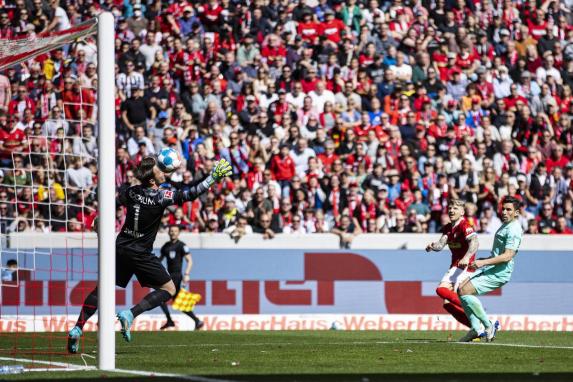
(221, 170)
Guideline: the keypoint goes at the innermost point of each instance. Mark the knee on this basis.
(444, 292)
(464, 290)
(170, 288)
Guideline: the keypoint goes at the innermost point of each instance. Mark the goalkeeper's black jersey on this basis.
(145, 208)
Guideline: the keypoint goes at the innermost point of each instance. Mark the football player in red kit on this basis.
(462, 239)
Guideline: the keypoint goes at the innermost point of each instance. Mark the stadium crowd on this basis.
(337, 116)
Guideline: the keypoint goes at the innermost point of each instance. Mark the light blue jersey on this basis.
(508, 236)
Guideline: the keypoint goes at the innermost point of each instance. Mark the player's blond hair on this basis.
(457, 202)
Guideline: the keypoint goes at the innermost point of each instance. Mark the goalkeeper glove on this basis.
(222, 169)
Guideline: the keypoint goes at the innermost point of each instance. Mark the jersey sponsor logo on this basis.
(142, 199)
(168, 194)
(454, 244)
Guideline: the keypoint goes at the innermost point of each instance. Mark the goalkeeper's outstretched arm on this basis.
(221, 170)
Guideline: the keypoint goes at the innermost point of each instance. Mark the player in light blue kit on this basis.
(496, 272)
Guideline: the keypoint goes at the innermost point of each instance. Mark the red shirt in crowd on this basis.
(332, 29)
(327, 160)
(537, 30)
(210, 15)
(559, 162)
(273, 53)
(11, 141)
(309, 31)
(282, 168)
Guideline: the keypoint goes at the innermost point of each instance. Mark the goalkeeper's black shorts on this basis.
(145, 266)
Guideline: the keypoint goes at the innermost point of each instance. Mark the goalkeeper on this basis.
(134, 245)
(175, 251)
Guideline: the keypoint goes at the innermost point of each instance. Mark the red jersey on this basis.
(458, 240)
(332, 30)
(309, 31)
(282, 168)
(12, 141)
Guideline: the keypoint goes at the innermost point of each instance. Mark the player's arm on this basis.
(188, 267)
(473, 245)
(162, 253)
(511, 246)
(505, 257)
(122, 198)
(438, 245)
(221, 170)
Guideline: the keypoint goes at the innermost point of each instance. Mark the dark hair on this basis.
(11, 262)
(144, 172)
(513, 200)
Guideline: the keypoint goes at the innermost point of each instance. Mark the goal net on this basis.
(52, 181)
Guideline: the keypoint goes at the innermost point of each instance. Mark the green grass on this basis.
(320, 355)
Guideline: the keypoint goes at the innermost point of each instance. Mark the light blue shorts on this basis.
(485, 283)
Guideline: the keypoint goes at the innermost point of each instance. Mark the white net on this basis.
(48, 184)
(16, 51)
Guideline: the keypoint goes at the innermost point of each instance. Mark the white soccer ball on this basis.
(168, 160)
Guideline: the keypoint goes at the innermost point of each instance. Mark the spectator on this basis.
(138, 138)
(77, 175)
(295, 227)
(263, 226)
(131, 81)
(561, 227)
(10, 272)
(346, 230)
(301, 155)
(240, 229)
(237, 155)
(546, 219)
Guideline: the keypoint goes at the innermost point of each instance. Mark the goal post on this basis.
(106, 191)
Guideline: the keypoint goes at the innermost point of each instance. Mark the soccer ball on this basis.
(168, 160)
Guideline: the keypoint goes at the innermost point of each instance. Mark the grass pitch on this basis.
(311, 356)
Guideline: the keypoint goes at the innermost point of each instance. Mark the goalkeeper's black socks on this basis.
(165, 310)
(88, 309)
(152, 300)
(193, 317)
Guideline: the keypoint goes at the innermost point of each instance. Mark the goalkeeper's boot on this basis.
(491, 332)
(470, 336)
(74, 339)
(125, 318)
(168, 324)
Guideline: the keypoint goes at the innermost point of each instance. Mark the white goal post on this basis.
(106, 191)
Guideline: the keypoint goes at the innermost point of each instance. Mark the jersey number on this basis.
(137, 208)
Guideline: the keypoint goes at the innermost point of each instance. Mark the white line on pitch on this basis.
(50, 363)
(74, 367)
(50, 369)
(516, 345)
